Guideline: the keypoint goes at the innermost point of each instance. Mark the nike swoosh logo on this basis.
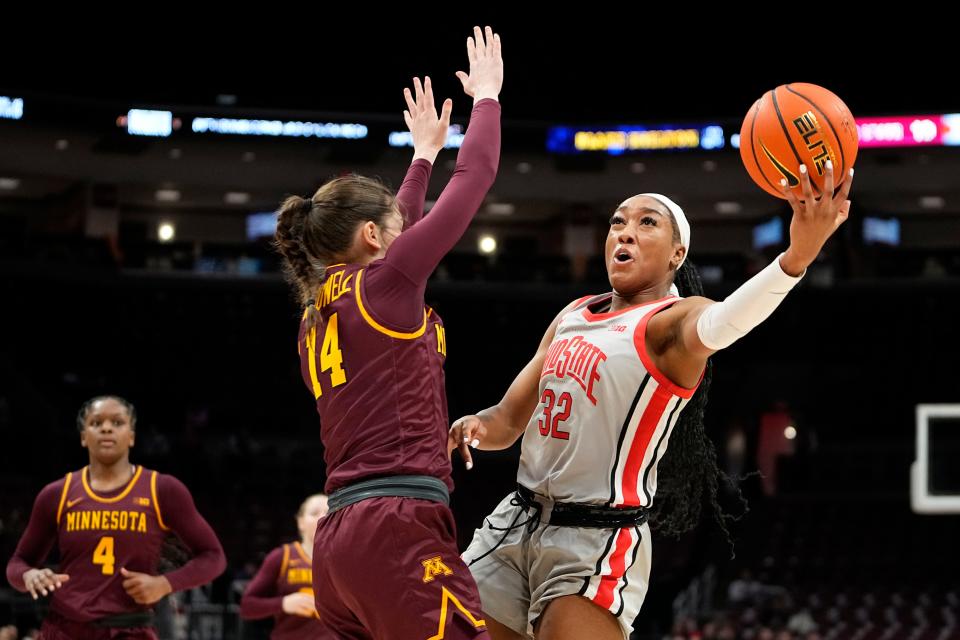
(70, 503)
(792, 180)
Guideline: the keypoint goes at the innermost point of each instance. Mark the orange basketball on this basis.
(797, 124)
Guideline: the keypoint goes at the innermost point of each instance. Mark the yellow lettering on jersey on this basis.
(334, 287)
(331, 356)
(325, 293)
(300, 576)
(135, 521)
(143, 502)
(312, 362)
(433, 567)
(448, 598)
(103, 555)
(441, 340)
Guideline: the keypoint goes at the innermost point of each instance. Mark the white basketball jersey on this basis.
(605, 412)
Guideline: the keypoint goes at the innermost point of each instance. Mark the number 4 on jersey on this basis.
(103, 555)
(331, 357)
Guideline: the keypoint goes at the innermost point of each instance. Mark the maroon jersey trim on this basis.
(379, 327)
(63, 496)
(118, 498)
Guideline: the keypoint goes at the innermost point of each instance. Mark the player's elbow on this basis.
(219, 564)
(515, 426)
(481, 169)
(213, 562)
(248, 609)
(488, 168)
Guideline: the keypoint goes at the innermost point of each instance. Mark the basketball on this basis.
(796, 124)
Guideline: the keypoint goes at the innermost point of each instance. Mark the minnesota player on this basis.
(386, 563)
(108, 521)
(568, 554)
(283, 586)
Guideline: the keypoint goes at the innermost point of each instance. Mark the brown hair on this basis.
(317, 232)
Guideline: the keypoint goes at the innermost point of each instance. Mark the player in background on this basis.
(283, 586)
(108, 521)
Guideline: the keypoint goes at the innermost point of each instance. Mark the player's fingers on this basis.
(806, 186)
(454, 438)
(49, 579)
(844, 193)
(842, 214)
(828, 184)
(419, 89)
(481, 46)
(472, 434)
(408, 98)
(471, 52)
(427, 93)
(43, 583)
(453, 435)
(445, 113)
(464, 449)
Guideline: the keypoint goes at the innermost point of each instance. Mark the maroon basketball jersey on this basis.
(98, 533)
(296, 574)
(379, 389)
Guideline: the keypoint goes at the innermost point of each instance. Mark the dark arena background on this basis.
(137, 208)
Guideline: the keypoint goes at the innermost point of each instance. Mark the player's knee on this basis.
(500, 631)
(574, 616)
